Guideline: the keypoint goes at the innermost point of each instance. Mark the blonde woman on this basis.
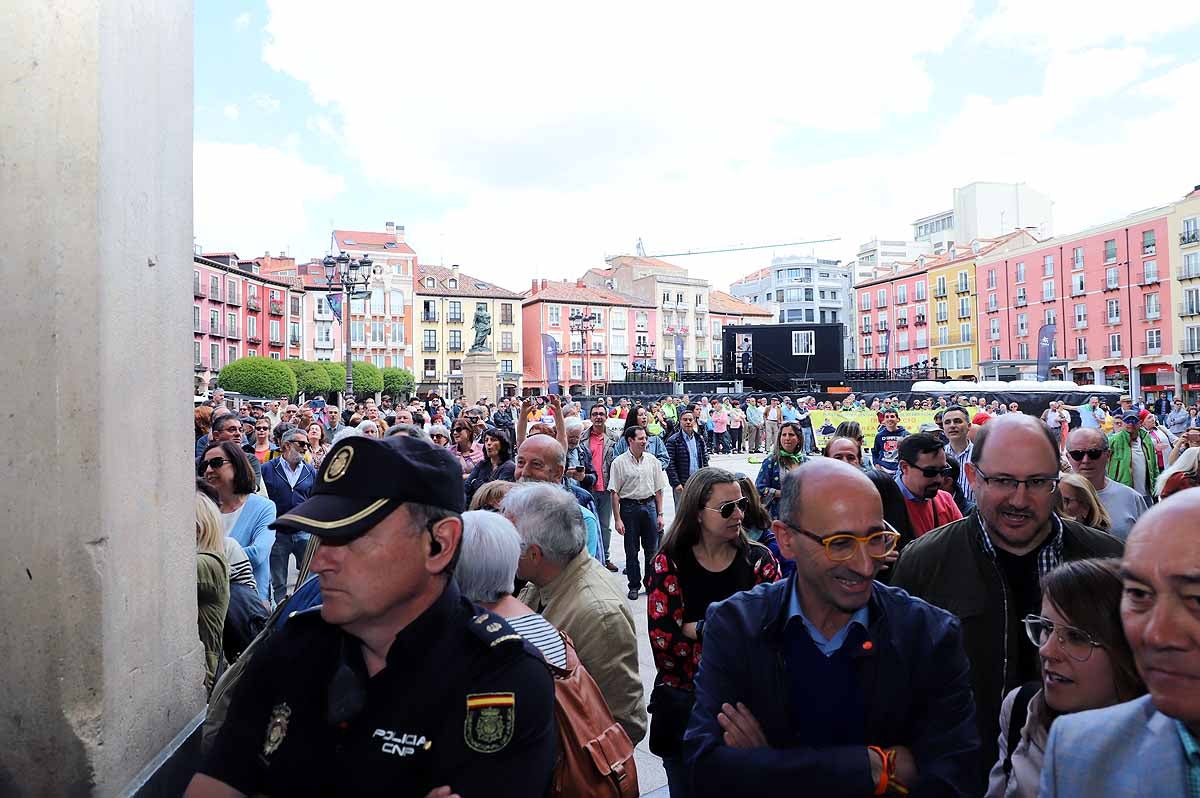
(212, 584)
(1077, 499)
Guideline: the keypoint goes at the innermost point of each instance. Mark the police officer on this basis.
(396, 685)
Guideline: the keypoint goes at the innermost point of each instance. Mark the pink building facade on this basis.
(624, 333)
(237, 313)
(1109, 292)
(895, 305)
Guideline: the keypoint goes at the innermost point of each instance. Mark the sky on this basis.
(533, 140)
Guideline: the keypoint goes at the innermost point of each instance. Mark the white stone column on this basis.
(100, 657)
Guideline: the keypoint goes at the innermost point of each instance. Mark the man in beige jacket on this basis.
(573, 592)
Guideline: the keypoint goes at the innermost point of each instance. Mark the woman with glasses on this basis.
(464, 447)
(787, 454)
(497, 462)
(244, 514)
(1085, 662)
(705, 557)
(1078, 500)
(317, 446)
(264, 448)
(756, 522)
(439, 434)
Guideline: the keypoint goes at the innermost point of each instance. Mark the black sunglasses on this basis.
(263, 429)
(215, 462)
(726, 508)
(931, 472)
(1092, 454)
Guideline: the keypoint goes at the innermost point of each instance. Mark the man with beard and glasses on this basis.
(986, 567)
(830, 679)
(922, 468)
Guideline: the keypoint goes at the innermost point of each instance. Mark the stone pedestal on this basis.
(479, 376)
(101, 658)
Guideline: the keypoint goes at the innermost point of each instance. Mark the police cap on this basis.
(364, 479)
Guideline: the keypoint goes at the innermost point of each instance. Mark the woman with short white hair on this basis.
(486, 573)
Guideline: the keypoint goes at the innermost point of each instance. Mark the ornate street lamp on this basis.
(583, 324)
(353, 277)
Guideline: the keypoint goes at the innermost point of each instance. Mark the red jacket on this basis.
(929, 515)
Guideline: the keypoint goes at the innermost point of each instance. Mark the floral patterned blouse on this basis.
(677, 656)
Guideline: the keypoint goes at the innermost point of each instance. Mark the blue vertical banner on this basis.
(887, 349)
(678, 353)
(550, 361)
(1045, 341)
(335, 304)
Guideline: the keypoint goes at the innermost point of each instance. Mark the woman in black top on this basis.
(497, 463)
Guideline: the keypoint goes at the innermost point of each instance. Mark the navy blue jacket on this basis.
(916, 687)
(284, 495)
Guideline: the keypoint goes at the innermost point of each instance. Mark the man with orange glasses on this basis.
(830, 679)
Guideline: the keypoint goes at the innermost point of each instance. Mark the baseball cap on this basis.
(364, 479)
(1131, 418)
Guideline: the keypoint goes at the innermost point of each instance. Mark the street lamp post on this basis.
(350, 275)
(583, 324)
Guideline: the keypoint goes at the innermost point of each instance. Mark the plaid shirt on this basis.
(1191, 754)
(1050, 555)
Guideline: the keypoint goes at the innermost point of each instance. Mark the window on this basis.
(455, 339)
(1077, 259)
(506, 341)
(791, 295)
(214, 287)
(1153, 306)
(196, 353)
(1080, 316)
(377, 333)
(1191, 302)
(231, 290)
(991, 279)
(808, 296)
(1110, 251)
(397, 333)
(941, 286)
(1023, 350)
(231, 354)
(377, 361)
(455, 365)
(866, 345)
(679, 299)
(964, 282)
(617, 319)
(943, 312)
(1114, 311)
(214, 322)
(1191, 338)
(964, 333)
(1022, 324)
(506, 366)
(803, 342)
(808, 314)
(452, 282)
(994, 330)
(1153, 342)
(1051, 317)
(597, 369)
(276, 335)
(358, 333)
(866, 323)
(1077, 288)
(252, 326)
(1081, 348)
(577, 369)
(995, 353)
(295, 303)
(358, 307)
(1020, 272)
(617, 341)
(429, 340)
(666, 298)
(214, 356)
(195, 318)
(1112, 277)
(919, 291)
(231, 325)
(430, 367)
(902, 341)
(555, 312)
(943, 336)
(324, 333)
(454, 312)
(1021, 298)
(1114, 345)
(1048, 266)
(1148, 242)
(1149, 272)
(901, 294)
(1191, 264)
(922, 340)
(642, 321)
(881, 297)
(993, 304)
(396, 302)
(1048, 290)
(964, 307)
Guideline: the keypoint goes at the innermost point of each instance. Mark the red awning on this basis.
(1156, 368)
(1192, 387)
(1115, 369)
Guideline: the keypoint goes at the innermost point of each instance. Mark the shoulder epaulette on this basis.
(493, 630)
(305, 615)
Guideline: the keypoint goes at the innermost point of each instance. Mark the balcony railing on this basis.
(276, 341)
(253, 339)
(1081, 324)
(962, 288)
(426, 316)
(294, 340)
(1146, 349)
(1020, 302)
(1148, 278)
(993, 308)
(1189, 237)
(700, 332)
(215, 330)
(201, 366)
(252, 303)
(234, 335)
(1185, 273)
(1048, 297)
(276, 309)
(1112, 319)
(427, 347)
(197, 290)
(1148, 250)
(919, 321)
(214, 296)
(668, 330)
(684, 331)
(939, 291)
(1189, 309)
(319, 344)
(454, 318)
(233, 298)
(1113, 351)
(1150, 314)
(901, 322)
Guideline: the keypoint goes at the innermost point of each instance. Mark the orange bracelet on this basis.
(882, 785)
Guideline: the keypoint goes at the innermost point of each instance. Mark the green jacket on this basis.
(212, 599)
(1120, 463)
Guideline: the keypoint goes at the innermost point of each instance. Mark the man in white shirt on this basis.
(1088, 454)
(637, 483)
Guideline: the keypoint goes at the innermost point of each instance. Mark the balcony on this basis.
(919, 321)
(1077, 264)
(1112, 320)
(943, 317)
(1189, 237)
(1149, 250)
(252, 303)
(319, 344)
(668, 304)
(1048, 298)
(962, 288)
(1189, 308)
(1112, 285)
(1113, 352)
(275, 341)
(200, 367)
(453, 318)
(1081, 324)
(233, 298)
(1185, 273)
(215, 331)
(700, 333)
(900, 300)
(1022, 332)
(214, 296)
(684, 331)
(1020, 302)
(234, 335)
(940, 292)
(882, 326)
(993, 308)
(294, 340)
(901, 322)
(1077, 290)
(428, 347)
(1148, 278)
(668, 330)
(430, 316)
(197, 290)
(1149, 350)
(454, 348)
(1150, 314)
(276, 308)
(253, 339)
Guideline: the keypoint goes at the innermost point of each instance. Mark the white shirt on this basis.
(633, 479)
(1138, 465)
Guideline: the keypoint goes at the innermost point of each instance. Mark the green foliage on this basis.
(258, 376)
(311, 379)
(398, 382)
(367, 379)
(336, 372)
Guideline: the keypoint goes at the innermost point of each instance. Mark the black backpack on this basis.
(245, 619)
(1017, 718)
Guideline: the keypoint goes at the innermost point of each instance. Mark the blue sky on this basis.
(534, 140)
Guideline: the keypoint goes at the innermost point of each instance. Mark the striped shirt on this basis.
(963, 482)
(240, 570)
(545, 638)
(1191, 754)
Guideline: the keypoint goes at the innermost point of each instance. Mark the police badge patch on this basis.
(490, 720)
(276, 728)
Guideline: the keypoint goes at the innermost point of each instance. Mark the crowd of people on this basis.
(996, 603)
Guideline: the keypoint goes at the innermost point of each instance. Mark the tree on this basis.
(311, 379)
(367, 379)
(398, 382)
(337, 374)
(258, 376)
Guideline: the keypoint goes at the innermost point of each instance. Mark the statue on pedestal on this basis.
(483, 328)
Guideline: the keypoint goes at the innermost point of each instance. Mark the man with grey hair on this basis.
(541, 458)
(288, 480)
(573, 592)
(405, 428)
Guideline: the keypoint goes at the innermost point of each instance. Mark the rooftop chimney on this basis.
(543, 283)
(454, 270)
(580, 284)
(390, 227)
(533, 289)
(399, 234)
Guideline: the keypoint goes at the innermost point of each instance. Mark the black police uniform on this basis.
(463, 700)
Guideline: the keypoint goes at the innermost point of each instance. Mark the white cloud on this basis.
(231, 111)
(266, 102)
(250, 199)
(241, 22)
(1077, 24)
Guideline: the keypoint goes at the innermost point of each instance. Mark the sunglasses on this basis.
(262, 429)
(931, 472)
(726, 508)
(301, 445)
(216, 462)
(1092, 454)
